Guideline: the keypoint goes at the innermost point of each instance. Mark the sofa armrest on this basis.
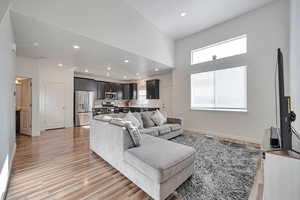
(171, 120)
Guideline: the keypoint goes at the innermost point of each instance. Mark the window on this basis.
(232, 47)
(220, 90)
(142, 94)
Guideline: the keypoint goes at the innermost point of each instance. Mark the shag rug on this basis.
(222, 170)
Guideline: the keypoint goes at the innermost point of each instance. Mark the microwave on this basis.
(111, 95)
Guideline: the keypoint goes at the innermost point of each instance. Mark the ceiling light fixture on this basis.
(60, 65)
(36, 44)
(183, 14)
(156, 69)
(137, 74)
(126, 61)
(86, 71)
(125, 77)
(108, 68)
(76, 47)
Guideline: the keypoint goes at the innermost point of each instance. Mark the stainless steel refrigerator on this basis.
(84, 103)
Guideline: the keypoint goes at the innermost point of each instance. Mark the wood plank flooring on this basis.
(59, 165)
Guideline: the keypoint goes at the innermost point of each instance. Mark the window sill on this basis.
(220, 109)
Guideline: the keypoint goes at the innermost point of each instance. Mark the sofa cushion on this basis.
(147, 121)
(131, 118)
(138, 116)
(174, 127)
(159, 159)
(164, 129)
(150, 131)
(158, 118)
(134, 134)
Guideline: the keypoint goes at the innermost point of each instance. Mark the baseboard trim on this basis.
(10, 168)
(223, 137)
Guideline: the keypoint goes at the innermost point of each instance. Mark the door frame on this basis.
(43, 105)
(31, 114)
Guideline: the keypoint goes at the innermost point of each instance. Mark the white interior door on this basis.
(54, 105)
(26, 105)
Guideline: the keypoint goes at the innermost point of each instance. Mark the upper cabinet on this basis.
(152, 87)
(84, 84)
(100, 90)
(130, 91)
(123, 91)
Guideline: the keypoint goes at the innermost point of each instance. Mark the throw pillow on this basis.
(158, 118)
(147, 121)
(134, 134)
(138, 116)
(131, 118)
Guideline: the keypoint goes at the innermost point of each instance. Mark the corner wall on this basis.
(267, 29)
(295, 63)
(7, 100)
(42, 71)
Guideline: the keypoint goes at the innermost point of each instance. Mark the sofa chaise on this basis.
(157, 166)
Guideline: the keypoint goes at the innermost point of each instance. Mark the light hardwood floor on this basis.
(58, 165)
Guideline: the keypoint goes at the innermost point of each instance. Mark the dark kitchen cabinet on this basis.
(84, 84)
(101, 90)
(130, 91)
(152, 88)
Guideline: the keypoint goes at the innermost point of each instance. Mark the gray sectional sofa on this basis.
(158, 166)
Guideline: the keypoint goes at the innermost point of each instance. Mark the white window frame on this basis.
(217, 44)
(221, 108)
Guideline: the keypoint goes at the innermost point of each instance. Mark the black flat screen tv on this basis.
(284, 107)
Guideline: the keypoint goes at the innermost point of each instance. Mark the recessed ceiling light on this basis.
(107, 74)
(60, 65)
(108, 68)
(137, 74)
(156, 69)
(36, 44)
(126, 61)
(76, 47)
(183, 14)
(125, 77)
(86, 70)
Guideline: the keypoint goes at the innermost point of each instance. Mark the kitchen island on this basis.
(123, 109)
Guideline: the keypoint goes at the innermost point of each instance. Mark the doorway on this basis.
(23, 106)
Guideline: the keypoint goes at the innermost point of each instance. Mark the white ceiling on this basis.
(56, 44)
(201, 14)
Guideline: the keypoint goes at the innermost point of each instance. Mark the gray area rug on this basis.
(222, 170)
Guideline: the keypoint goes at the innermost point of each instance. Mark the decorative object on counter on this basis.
(158, 118)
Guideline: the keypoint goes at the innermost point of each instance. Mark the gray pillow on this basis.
(147, 121)
(131, 118)
(158, 118)
(138, 116)
(134, 134)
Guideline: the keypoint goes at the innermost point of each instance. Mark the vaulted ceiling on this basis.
(110, 32)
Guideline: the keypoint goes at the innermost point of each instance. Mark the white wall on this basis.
(42, 71)
(112, 22)
(7, 98)
(295, 63)
(267, 29)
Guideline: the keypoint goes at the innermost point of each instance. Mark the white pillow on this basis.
(158, 118)
(131, 118)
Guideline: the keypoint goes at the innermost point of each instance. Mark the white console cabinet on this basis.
(281, 176)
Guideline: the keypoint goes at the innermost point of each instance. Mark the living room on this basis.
(149, 100)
